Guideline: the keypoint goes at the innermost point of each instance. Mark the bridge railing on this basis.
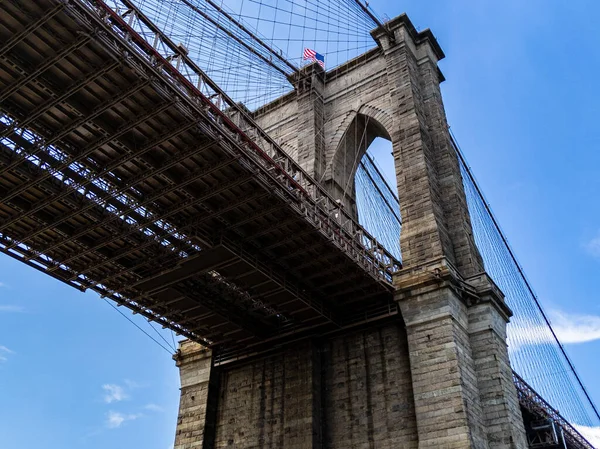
(534, 403)
(129, 31)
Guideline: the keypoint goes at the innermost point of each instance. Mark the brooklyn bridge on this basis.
(171, 156)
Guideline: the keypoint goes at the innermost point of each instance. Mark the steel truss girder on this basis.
(272, 227)
(151, 315)
(196, 221)
(80, 243)
(259, 214)
(20, 82)
(30, 29)
(353, 288)
(349, 241)
(42, 109)
(135, 305)
(165, 215)
(205, 261)
(344, 278)
(213, 299)
(209, 332)
(323, 259)
(530, 400)
(302, 249)
(291, 238)
(284, 281)
(53, 264)
(85, 152)
(25, 254)
(78, 208)
(61, 134)
(117, 191)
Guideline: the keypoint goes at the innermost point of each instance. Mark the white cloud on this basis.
(116, 419)
(114, 393)
(11, 308)
(593, 246)
(3, 352)
(592, 434)
(570, 328)
(573, 328)
(153, 408)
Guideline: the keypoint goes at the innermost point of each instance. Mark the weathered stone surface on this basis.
(350, 391)
(195, 426)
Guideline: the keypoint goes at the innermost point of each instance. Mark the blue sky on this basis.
(522, 98)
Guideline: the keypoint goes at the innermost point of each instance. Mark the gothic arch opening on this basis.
(362, 177)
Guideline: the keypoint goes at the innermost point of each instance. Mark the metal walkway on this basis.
(122, 175)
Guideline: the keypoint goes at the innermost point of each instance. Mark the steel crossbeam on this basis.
(111, 293)
(20, 82)
(75, 274)
(166, 214)
(252, 217)
(87, 151)
(68, 129)
(284, 281)
(117, 191)
(196, 221)
(212, 296)
(79, 210)
(30, 29)
(42, 109)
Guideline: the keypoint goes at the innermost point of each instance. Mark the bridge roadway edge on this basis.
(439, 375)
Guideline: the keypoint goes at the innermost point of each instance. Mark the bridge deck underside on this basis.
(108, 182)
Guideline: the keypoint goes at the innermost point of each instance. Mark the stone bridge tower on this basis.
(437, 375)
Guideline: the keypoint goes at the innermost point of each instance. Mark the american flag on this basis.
(314, 56)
